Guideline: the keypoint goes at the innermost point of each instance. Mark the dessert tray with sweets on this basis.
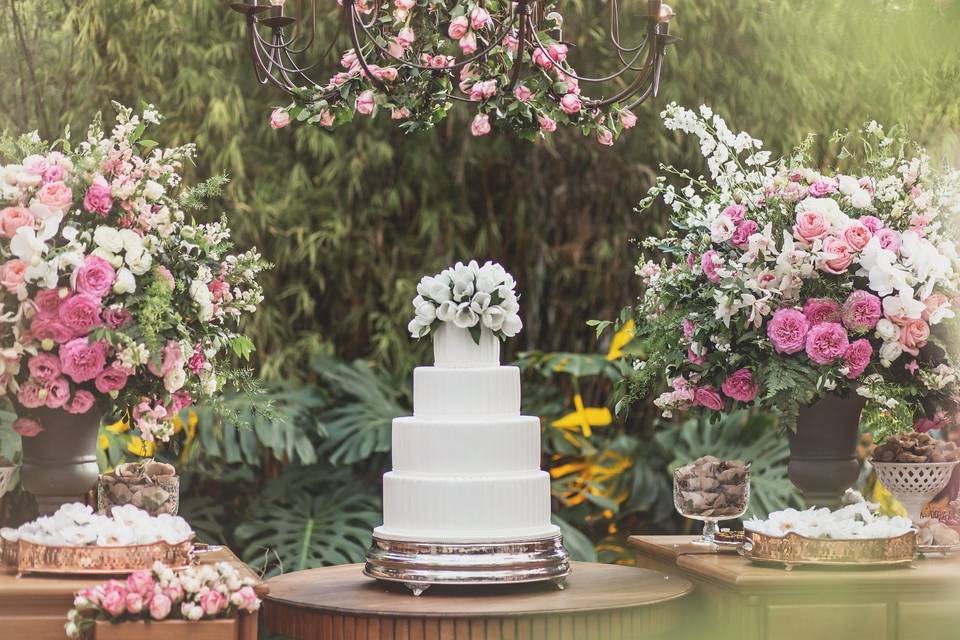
(77, 541)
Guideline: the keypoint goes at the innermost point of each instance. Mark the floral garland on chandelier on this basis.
(410, 83)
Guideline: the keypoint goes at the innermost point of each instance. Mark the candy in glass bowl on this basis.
(711, 490)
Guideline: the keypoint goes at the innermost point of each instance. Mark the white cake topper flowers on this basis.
(470, 297)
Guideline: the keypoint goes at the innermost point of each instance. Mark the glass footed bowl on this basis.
(706, 513)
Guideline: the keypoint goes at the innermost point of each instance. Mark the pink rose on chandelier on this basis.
(570, 103)
(541, 59)
(458, 27)
(604, 136)
(480, 18)
(547, 124)
(523, 93)
(628, 119)
(468, 43)
(365, 102)
(480, 125)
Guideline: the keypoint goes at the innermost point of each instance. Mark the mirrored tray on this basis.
(793, 550)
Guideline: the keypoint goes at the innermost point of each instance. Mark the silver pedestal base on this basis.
(418, 565)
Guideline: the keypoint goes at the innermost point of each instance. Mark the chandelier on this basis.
(416, 58)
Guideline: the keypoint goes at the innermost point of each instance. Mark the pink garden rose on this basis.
(212, 602)
(279, 118)
(27, 427)
(98, 198)
(709, 397)
(914, 336)
(468, 43)
(80, 313)
(819, 310)
(740, 386)
(56, 195)
(365, 102)
(709, 266)
(44, 367)
(245, 599)
(12, 218)
(857, 235)
(570, 103)
(889, 239)
(95, 277)
(82, 360)
(48, 301)
(557, 51)
(822, 187)
(458, 27)
(12, 274)
(140, 582)
(547, 124)
(735, 212)
(542, 60)
(480, 125)
(872, 223)
(861, 311)
(787, 330)
(134, 602)
(30, 395)
(688, 328)
(693, 358)
(480, 18)
(114, 600)
(857, 357)
(116, 316)
(745, 229)
(81, 402)
(58, 392)
(810, 226)
(836, 256)
(112, 378)
(826, 342)
(523, 93)
(160, 605)
(50, 329)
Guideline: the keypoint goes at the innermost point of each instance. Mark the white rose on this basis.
(132, 242)
(108, 238)
(887, 331)
(465, 316)
(139, 263)
(722, 229)
(889, 352)
(152, 190)
(201, 295)
(861, 199)
(848, 185)
(116, 261)
(125, 282)
(512, 325)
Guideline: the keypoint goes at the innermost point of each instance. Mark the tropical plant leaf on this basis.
(576, 542)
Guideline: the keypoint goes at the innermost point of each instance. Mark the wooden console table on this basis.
(734, 598)
(34, 607)
(601, 602)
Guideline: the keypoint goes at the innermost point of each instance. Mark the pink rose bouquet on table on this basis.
(204, 592)
(783, 282)
(111, 298)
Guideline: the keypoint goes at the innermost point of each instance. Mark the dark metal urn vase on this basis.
(823, 451)
(60, 462)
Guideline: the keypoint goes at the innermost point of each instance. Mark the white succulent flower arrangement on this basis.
(852, 521)
(470, 297)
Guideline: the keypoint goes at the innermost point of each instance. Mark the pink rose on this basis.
(693, 358)
(27, 427)
(58, 392)
(542, 60)
(81, 402)
(468, 43)
(857, 357)
(889, 239)
(914, 336)
(134, 602)
(822, 187)
(48, 301)
(347, 61)
(140, 582)
(44, 367)
(819, 310)
(406, 37)
(628, 119)
(570, 103)
(179, 401)
(810, 226)
(98, 198)
(523, 93)
(29, 395)
(872, 223)
(826, 342)
(787, 330)
(212, 602)
(861, 311)
(707, 396)
(95, 277)
(114, 600)
(12, 218)
(740, 386)
(279, 118)
(365, 102)
(688, 328)
(735, 212)
(480, 125)
(116, 316)
(50, 329)
(112, 378)
(547, 124)
(604, 136)
(245, 599)
(925, 424)
(12, 274)
(458, 27)
(480, 18)
(709, 266)
(932, 303)
(80, 313)
(82, 360)
(557, 51)
(56, 195)
(836, 256)
(160, 605)
(857, 235)
(745, 229)
(172, 357)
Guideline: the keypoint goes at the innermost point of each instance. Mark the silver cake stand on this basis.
(419, 565)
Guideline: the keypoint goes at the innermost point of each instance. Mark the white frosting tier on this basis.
(464, 446)
(453, 347)
(491, 508)
(470, 394)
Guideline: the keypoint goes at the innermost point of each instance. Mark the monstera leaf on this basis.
(308, 517)
(363, 401)
(741, 435)
(577, 544)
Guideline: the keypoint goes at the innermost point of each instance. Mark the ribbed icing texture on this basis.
(454, 348)
(466, 393)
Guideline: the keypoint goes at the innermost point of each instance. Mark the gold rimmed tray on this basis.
(793, 550)
(94, 560)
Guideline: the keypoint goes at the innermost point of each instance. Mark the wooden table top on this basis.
(731, 569)
(590, 587)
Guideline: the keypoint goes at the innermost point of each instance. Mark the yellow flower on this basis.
(620, 340)
(584, 418)
(589, 475)
(120, 426)
(139, 447)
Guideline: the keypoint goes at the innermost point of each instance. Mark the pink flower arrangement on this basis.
(787, 330)
(740, 386)
(826, 342)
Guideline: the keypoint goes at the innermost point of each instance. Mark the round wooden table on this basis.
(600, 602)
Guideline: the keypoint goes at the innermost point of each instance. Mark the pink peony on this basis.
(857, 357)
(134, 602)
(480, 125)
(140, 582)
(44, 367)
(787, 330)
(98, 198)
(30, 395)
(116, 316)
(80, 313)
(914, 336)
(114, 600)
(365, 103)
(857, 235)
(707, 396)
(826, 342)
(112, 378)
(735, 212)
(27, 427)
(245, 599)
(740, 386)
(745, 229)
(81, 403)
(56, 195)
(160, 605)
(709, 266)
(58, 393)
(861, 311)
(50, 329)
(872, 223)
(822, 187)
(12, 218)
(212, 602)
(570, 103)
(48, 301)
(279, 118)
(95, 277)
(179, 401)
(889, 239)
(819, 310)
(458, 27)
(836, 256)
(810, 226)
(82, 360)
(12, 274)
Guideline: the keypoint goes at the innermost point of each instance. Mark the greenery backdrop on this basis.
(353, 218)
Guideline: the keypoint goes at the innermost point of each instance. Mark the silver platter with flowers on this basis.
(466, 501)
